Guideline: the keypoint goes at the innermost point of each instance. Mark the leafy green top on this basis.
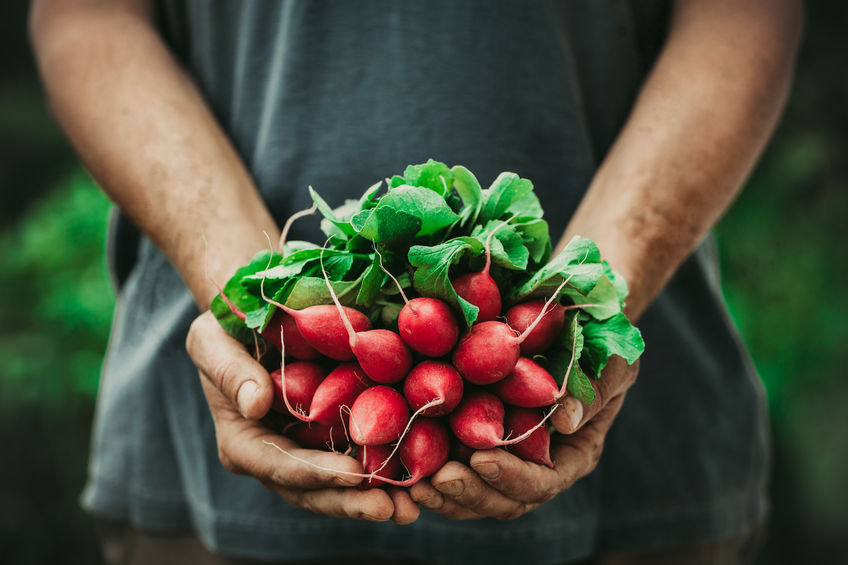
(430, 226)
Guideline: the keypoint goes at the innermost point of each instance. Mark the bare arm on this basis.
(696, 131)
(699, 124)
(144, 131)
(147, 136)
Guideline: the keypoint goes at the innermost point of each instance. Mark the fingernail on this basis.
(488, 470)
(451, 488)
(433, 501)
(245, 396)
(574, 409)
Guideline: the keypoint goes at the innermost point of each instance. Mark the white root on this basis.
(285, 233)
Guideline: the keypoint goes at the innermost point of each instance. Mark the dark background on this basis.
(784, 249)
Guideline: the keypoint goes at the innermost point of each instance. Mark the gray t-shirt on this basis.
(339, 94)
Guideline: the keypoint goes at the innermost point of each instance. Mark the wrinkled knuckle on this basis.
(547, 494)
(298, 498)
(593, 456)
(509, 513)
(565, 482)
(517, 512)
(276, 477)
(225, 459)
(597, 449)
(544, 494)
(192, 338)
(296, 477)
(223, 377)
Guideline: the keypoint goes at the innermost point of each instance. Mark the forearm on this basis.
(698, 126)
(146, 134)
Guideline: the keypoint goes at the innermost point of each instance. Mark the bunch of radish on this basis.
(478, 358)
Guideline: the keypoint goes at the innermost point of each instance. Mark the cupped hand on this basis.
(239, 392)
(500, 485)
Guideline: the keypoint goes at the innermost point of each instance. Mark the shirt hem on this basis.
(241, 536)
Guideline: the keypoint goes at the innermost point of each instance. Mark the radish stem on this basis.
(307, 212)
(391, 276)
(348, 326)
(434, 402)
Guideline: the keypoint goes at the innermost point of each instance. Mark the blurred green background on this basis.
(784, 248)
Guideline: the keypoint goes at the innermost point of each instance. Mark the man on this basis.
(211, 118)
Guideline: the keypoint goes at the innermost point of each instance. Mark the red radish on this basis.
(520, 316)
(490, 350)
(537, 446)
(280, 324)
(478, 421)
(312, 435)
(425, 449)
(528, 385)
(480, 289)
(436, 386)
(487, 352)
(302, 379)
(430, 381)
(296, 345)
(324, 328)
(423, 452)
(378, 416)
(381, 353)
(338, 389)
(428, 326)
(376, 460)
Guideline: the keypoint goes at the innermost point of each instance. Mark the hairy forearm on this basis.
(698, 126)
(146, 134)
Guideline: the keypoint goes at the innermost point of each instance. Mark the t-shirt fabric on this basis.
(340, 94)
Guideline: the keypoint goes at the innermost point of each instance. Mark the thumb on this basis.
(616, 378)
(228, 366)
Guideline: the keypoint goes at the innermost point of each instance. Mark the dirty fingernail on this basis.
(245, 396)
(371, 518)
(433, 501)
(451, 488)
(488, 470)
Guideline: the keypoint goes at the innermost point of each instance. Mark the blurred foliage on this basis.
(61, 297)
(54, 322)
(784, 251)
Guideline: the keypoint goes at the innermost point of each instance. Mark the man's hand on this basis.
(239, 392)
(500, 485)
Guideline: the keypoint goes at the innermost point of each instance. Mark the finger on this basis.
(576, 455)
(374, 505)
(406, 511)
(224, 362)
(616, 378)
(463, 486)
(424, 494)
(248, 447)
(517, 479)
